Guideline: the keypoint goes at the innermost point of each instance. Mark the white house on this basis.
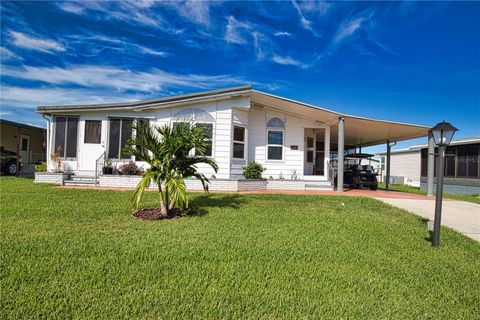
(284, 135)
(462, 166)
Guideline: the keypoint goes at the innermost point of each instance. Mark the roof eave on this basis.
(149, 104)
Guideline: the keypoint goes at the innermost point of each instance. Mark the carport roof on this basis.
(359, 131)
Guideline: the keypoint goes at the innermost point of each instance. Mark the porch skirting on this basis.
(230, 185)
(52, 178)
(191, 184)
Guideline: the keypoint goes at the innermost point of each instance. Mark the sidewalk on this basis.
(461, 216)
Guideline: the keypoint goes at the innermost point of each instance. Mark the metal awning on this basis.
(359, 131)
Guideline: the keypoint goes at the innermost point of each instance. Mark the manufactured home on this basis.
(296, 142)
(462, 166)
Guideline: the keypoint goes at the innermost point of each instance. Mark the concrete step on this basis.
(79, 182)
(82, 178)
(318, 185)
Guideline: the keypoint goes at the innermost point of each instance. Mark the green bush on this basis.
(41, 167)
(253, 170)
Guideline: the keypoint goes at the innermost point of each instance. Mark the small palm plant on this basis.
(168, 151)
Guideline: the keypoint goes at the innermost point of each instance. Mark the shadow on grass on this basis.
(201, 203)
(424, 221)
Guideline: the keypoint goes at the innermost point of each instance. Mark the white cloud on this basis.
(31, 97)
(305, 23)
(236, 31)
(288, 61)
(6, 55)
(152, 52)
(282, 34)
(95, 76)
(132, 12)
(24, 41)
(195, 11)
(347, 29)
(71, 7)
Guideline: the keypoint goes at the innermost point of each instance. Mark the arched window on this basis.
(275, 139)
(195, 115)
(275, 123)
(199, 118)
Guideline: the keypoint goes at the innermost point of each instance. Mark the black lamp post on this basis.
(442, 135)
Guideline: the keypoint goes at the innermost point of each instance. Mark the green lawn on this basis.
(69, 253)
(404, 188)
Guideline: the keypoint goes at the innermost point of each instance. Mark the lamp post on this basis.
(442, 135)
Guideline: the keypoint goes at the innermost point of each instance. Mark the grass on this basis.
(475, 198)
(69, 253)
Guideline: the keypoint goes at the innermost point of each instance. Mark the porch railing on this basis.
(332, 173)
(98, 167)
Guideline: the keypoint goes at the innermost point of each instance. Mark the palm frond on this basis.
(177, 190)
(138, 193)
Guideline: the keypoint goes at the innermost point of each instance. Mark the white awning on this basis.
(358, 131)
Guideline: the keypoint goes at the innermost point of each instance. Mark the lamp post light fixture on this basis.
(442, 135)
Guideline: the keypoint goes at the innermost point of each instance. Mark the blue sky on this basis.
(415, 62)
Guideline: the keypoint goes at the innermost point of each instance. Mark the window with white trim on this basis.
(66, 135)
(208, 129)
(238, 142)
(275, 136)
(93, 131)
(119, 132)
(199, 118)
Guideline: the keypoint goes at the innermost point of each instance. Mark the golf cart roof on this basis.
(359, 156)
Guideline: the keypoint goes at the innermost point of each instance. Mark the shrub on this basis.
(41, 167)
(253, 170)
(130, 168)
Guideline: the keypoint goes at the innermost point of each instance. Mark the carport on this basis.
(351, 131)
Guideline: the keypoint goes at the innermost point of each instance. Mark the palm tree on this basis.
(168, 151)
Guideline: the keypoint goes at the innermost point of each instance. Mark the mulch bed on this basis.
(154, 214)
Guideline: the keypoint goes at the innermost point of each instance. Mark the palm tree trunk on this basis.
(163, 208)
(167, 199)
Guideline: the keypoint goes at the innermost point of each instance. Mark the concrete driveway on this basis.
(461, 216)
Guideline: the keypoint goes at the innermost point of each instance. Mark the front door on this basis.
(314, 158)
(92, 142)
(25, 149)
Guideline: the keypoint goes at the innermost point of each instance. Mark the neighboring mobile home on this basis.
(28, 140)
(462, 166)
(289, 138)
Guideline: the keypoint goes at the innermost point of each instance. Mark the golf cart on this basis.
(357, 175)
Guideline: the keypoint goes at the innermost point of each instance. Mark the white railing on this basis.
(99, 167)
(332, 173)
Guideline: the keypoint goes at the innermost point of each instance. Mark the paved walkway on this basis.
(461, 216)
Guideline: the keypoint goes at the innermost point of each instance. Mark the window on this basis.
(275, 145)
(238, 142)
(24, 144)
(93, 131)
(462, 160)
(309, 149)
(275, 139)
(382, 163)
(208, 128)
(200, 119)
(450, 162)
(66, 133)
(196, 115)
(473, 154)
(120, 131)
(275, 123)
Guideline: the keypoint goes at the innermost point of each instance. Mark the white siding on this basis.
(406, 165)
(293, 136)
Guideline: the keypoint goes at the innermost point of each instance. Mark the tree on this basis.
(169, 152)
